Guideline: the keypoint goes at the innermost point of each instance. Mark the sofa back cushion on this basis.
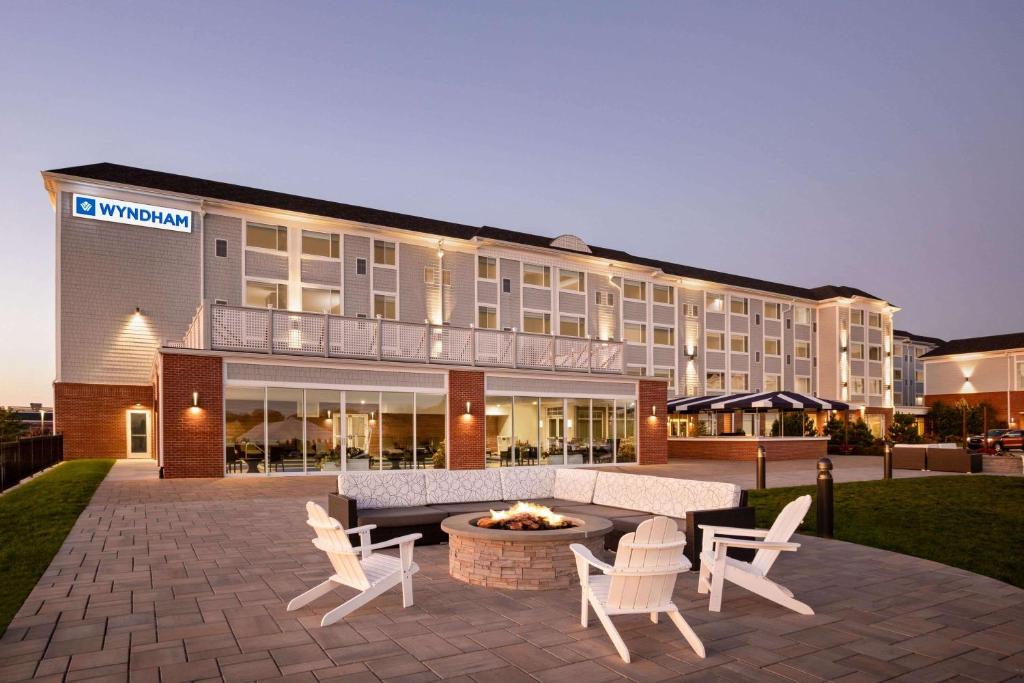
(462, 486)
(662, 495)
(384, 489)
(523, 483)
(574, 484)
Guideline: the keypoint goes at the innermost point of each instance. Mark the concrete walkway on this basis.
(188, 579)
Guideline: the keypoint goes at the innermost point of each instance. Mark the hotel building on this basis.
(229, 330)
(977, 369)
(908, 369)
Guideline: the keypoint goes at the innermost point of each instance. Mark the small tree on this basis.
(946, 421)
(11, 426)
(796, 424)
(904, 429)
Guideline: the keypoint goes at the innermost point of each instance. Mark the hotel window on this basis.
(360, 266)
(663, 294)
(315, 300)
(772, 347)
(266, 294)
(486, 268)
(384, 306)
(856, 317)
(803, 385)
(875, 319)
(321, 244)
(605, 298)
(738, 381)
(803, 315)
(636, 370)
(487, 318)
(897, 374)
(874, 353)
(537, 323)
(714, 341)
(222, 248)
(635, 333)
(571, 326)
(668, 373)
(802, 349)
(875, 386)
(856, 351)
(632, 289)
(691, 311)
(918, 375)
(772, 311)
(570, 280)
(664, 336)
(857, 386)
(738, 343)
(266, 236)
(716, 303)
(1020, 375)
(383, 253)
(536, 276)
(715, 381)
(739, 305)
(506, 286)
(772, 382)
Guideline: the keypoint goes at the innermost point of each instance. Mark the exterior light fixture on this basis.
(195, 399)
(138, 311)
(654, 410)
(967, 378)
(842, 349)
(469, 407)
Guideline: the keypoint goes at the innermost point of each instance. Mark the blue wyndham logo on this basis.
(86, 206)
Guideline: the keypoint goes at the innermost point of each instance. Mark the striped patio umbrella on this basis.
(778, 400)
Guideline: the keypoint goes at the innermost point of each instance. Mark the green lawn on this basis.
(975, 523)
(34, 520)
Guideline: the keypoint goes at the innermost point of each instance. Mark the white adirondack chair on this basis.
(359, 567)
(716, 567)
(641, 582)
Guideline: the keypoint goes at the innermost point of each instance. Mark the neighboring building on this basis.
(979, 369)
(38, 419)
(908, 368)
(307, 330)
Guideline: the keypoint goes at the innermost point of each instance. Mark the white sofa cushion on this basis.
(384, 489)
(462, 486)
(662, 495)
(574, 484)
(522, 483)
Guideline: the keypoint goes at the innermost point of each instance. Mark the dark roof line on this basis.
(181, 184)
(996, 342)
(918, 337)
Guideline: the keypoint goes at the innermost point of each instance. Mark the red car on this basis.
(1012, 439)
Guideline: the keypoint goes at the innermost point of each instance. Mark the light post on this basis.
(964, 406)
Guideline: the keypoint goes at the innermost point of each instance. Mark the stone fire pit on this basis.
(519, 560)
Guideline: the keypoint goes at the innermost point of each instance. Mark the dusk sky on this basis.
(874, 144)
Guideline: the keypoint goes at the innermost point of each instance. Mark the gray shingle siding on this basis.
(510, 303)
(223, 274)
(386, 279)
(357, 287)
(458, 304)
(539, 299)
(259, 264)
(321, 272)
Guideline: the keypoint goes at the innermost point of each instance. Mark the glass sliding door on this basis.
(498, 431)
(602, 426)
(431, 410)
(362, 450)
(526, 429)
(552, 421)
(396, 414)
(244, 430)
(625, 431)
(577, 431)
(324, 420)
(285, 430)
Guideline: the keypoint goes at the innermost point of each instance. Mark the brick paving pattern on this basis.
(188, 580)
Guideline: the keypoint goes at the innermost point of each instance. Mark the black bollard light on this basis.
(887, 461)
(760, 467)
(825, 503)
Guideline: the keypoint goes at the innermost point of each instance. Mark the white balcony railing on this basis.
(264, 330)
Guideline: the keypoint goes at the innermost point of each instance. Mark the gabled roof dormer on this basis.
(570, 242)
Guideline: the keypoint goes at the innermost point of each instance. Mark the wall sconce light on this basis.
(138, 311)
(691, 353)
(845, 384)
(373, 416)
(967, 378)
(654, 410)
(842, 349)
(469, 407)
(195, 399)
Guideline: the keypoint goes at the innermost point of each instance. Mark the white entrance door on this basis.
(138, 434)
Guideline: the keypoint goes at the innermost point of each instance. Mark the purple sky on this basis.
(874, 144)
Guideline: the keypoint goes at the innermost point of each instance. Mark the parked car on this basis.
(988, 440)
(1012, 439)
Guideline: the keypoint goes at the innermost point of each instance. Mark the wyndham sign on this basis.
(130, 213)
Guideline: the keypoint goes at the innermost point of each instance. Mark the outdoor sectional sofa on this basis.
(935, 458)
(417, 501)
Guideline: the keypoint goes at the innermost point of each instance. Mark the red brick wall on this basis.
(466, 432)
(727, 448)
(652, 429)
(997, 399)
(93, 417)
(192, 438)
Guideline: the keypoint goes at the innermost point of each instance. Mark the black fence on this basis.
(25, 457)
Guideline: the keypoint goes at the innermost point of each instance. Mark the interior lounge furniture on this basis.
(647, 563)
(415, 501)
(945, 459)
(907, 457)
(717, 567)
(357, 567)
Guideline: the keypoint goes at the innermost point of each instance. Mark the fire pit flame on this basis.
(525, 517)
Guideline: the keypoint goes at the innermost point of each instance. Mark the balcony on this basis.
(267, 331)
